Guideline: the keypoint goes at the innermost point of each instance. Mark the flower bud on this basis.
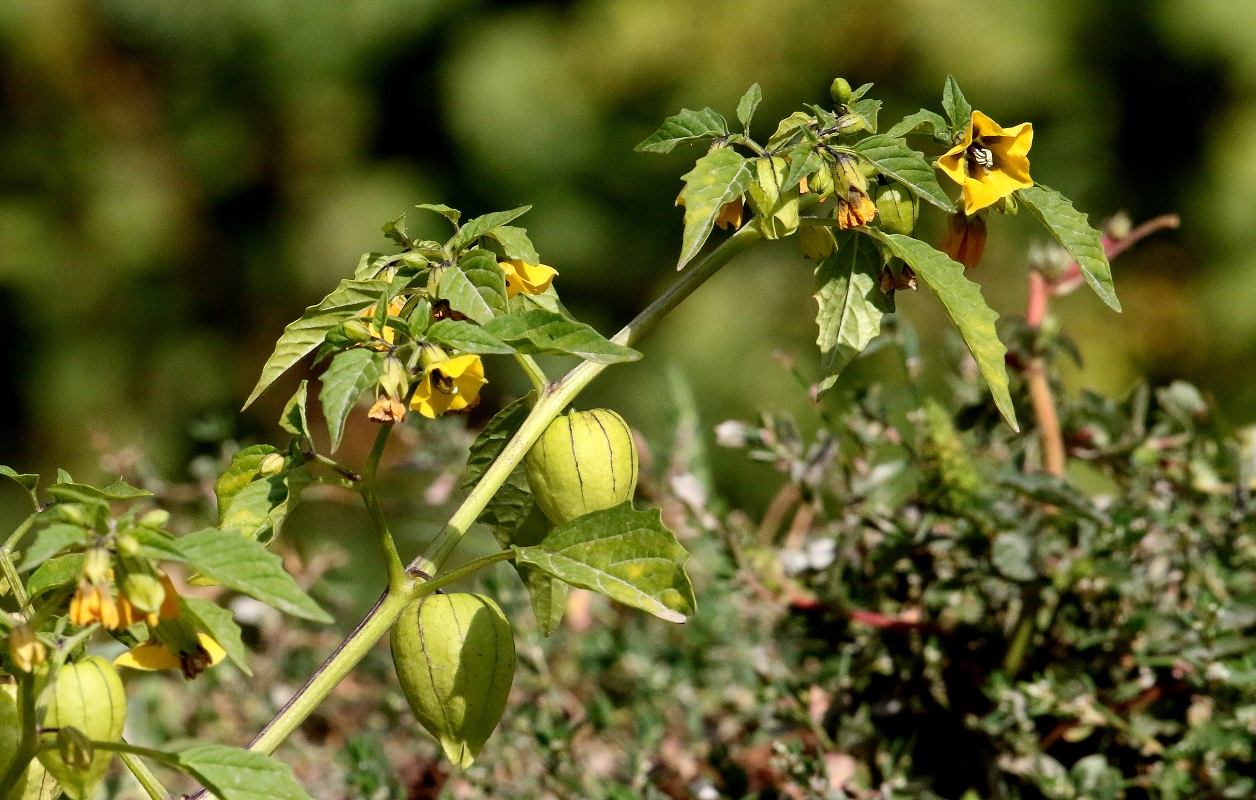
(96, 564)
(157, 518)
(272, 464)
(898, 208)
(839, 90)
(585, 461)
(965, 238)
(25, 649)
(821, 182)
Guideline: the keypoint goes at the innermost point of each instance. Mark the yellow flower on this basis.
(25, 648)
(129, 613)
(394, 309)
(154, 655)
(990, 162)
(450, 385)
(93, 602)
(527, 278)
(730, 214)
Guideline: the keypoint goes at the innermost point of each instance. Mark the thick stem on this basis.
(147, 780)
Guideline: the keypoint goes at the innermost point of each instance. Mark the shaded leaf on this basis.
(719, 177)
(82, 493)
(293, 419)
(350, 374)
(515, 244)
(966, 308)
(476, 288)
(803, 160)
(481, 226)
(1072, 229)
(775, 206)
(894, 158)
(305, 335)
(627, 555)
(52, 574)
(395, 229)
(240, 473)
(157, 545)
(240, 563)
(27, 481)
(220, 624)
(234, 774)
(1047, 488)
(925, 120)
(540, 331)
(687, 126)
(465, 337)
(869, 110)
(851, 303)
(490, 442)
(50, 541)
(451, 214)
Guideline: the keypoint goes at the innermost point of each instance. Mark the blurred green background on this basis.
(179, 180)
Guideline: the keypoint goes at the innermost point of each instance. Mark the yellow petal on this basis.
(527, 278)
(152, 656)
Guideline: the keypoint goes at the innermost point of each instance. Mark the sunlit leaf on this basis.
(540, 331)
(717, 178)
(687, 126)
(234, 774)
(1072, 229)
(481, 226)
(49, 541)
(293, 420)
(894, 158)
(851, 303)
(955, 106)
(748, 103)
(220, 624)
(466, 338)
(350, 374)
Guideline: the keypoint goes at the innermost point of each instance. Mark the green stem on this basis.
(144, 776)
(17, 534)
(28, 744)
(534, 371)
(9, 573)
(379, 523)
(559, 394)
(122, 748)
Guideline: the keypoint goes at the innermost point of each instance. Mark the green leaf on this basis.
(851, 303)
(481, 226)
(302, 337)
(775, 206)
(240, 563)
(687, 126)
(719, 177)
(929, 121)
(894, 158)
(515, 244)
(55, 573)
(966, 308)
(82, 493)
(395, 229)
(157, 545)
(1049, 489)
(1072, 229)
(466, 338)
(476, 288)
(350, 374)
(27, 481)
(249, 512)
(747, 104)
(240, 473)
(627, 555)
(50, 541)
(790, 129)
(540, 331)
(869, 110)
(955, 106)
(220, 624)
(490, 442)
(803, 160)
(234, 774)
(293, 419)
(451, 214)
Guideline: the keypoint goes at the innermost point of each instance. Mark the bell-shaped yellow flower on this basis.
(527, 278)
(93, 602)
(395, 307)
(990, 162)
(450, 385)
(154, 655)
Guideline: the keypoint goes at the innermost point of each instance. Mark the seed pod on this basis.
(585, 461)
(455, 658)
(88, 696)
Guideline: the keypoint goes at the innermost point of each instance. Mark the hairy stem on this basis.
(533, 371)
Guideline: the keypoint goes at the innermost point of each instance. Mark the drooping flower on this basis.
(527, 278)
(25, 648)
(730, 214)
(990, 162)
(854, 206)
(965, 238)
(156, 655)
(450, 385)
(395, 307)
(93, 602)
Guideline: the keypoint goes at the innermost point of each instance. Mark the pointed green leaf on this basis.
(304, 336)
(869, 110)
(240, 473)
(1072, 229)
(490, 442)
(803, 160)
(627, 555)
(157, 545)
(57, 572)
(466, 338)
(515, 244)
(966, 308)
(925, 120)
(775, 206)
(894, 158)
(395, 229)
(451, 214)
(481, 226)
(475, 288)
(350, 374)
(250, 510)
(240, 563)
(747, 104)
(50, 541)
(233, 774)
(955, 106)
(790, 130)
(719, 177)
(293, 419)
(851, 303)
(540, 331)
(687, 126)
(27, 481)
(220, 624)
(82, 493)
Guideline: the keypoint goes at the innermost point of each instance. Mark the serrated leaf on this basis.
(966, 308)
(350, 374)
(851, 302)
(515, 244)
(304, 336)
(48, 542)
(540, 331)
(451, 214)
(894, 158)
(719, 177)
(1047, 488)
(293, 420)
(481, 226)
(27, 481)
(1071, 228)
(240, 473)
(748, 103)
(924, 119)
(627, 555)
(687, 126)
(52, 574)
(220, 624)
(466, 338)
(233, 774)
(954, 104)
(240, 563)
(475, 288)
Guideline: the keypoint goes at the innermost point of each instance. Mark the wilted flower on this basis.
(965, 238)
(990, 162)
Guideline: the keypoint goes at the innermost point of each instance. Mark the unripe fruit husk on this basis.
(88, 696)
(455, 658)
(897, 208)
(585, 461)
